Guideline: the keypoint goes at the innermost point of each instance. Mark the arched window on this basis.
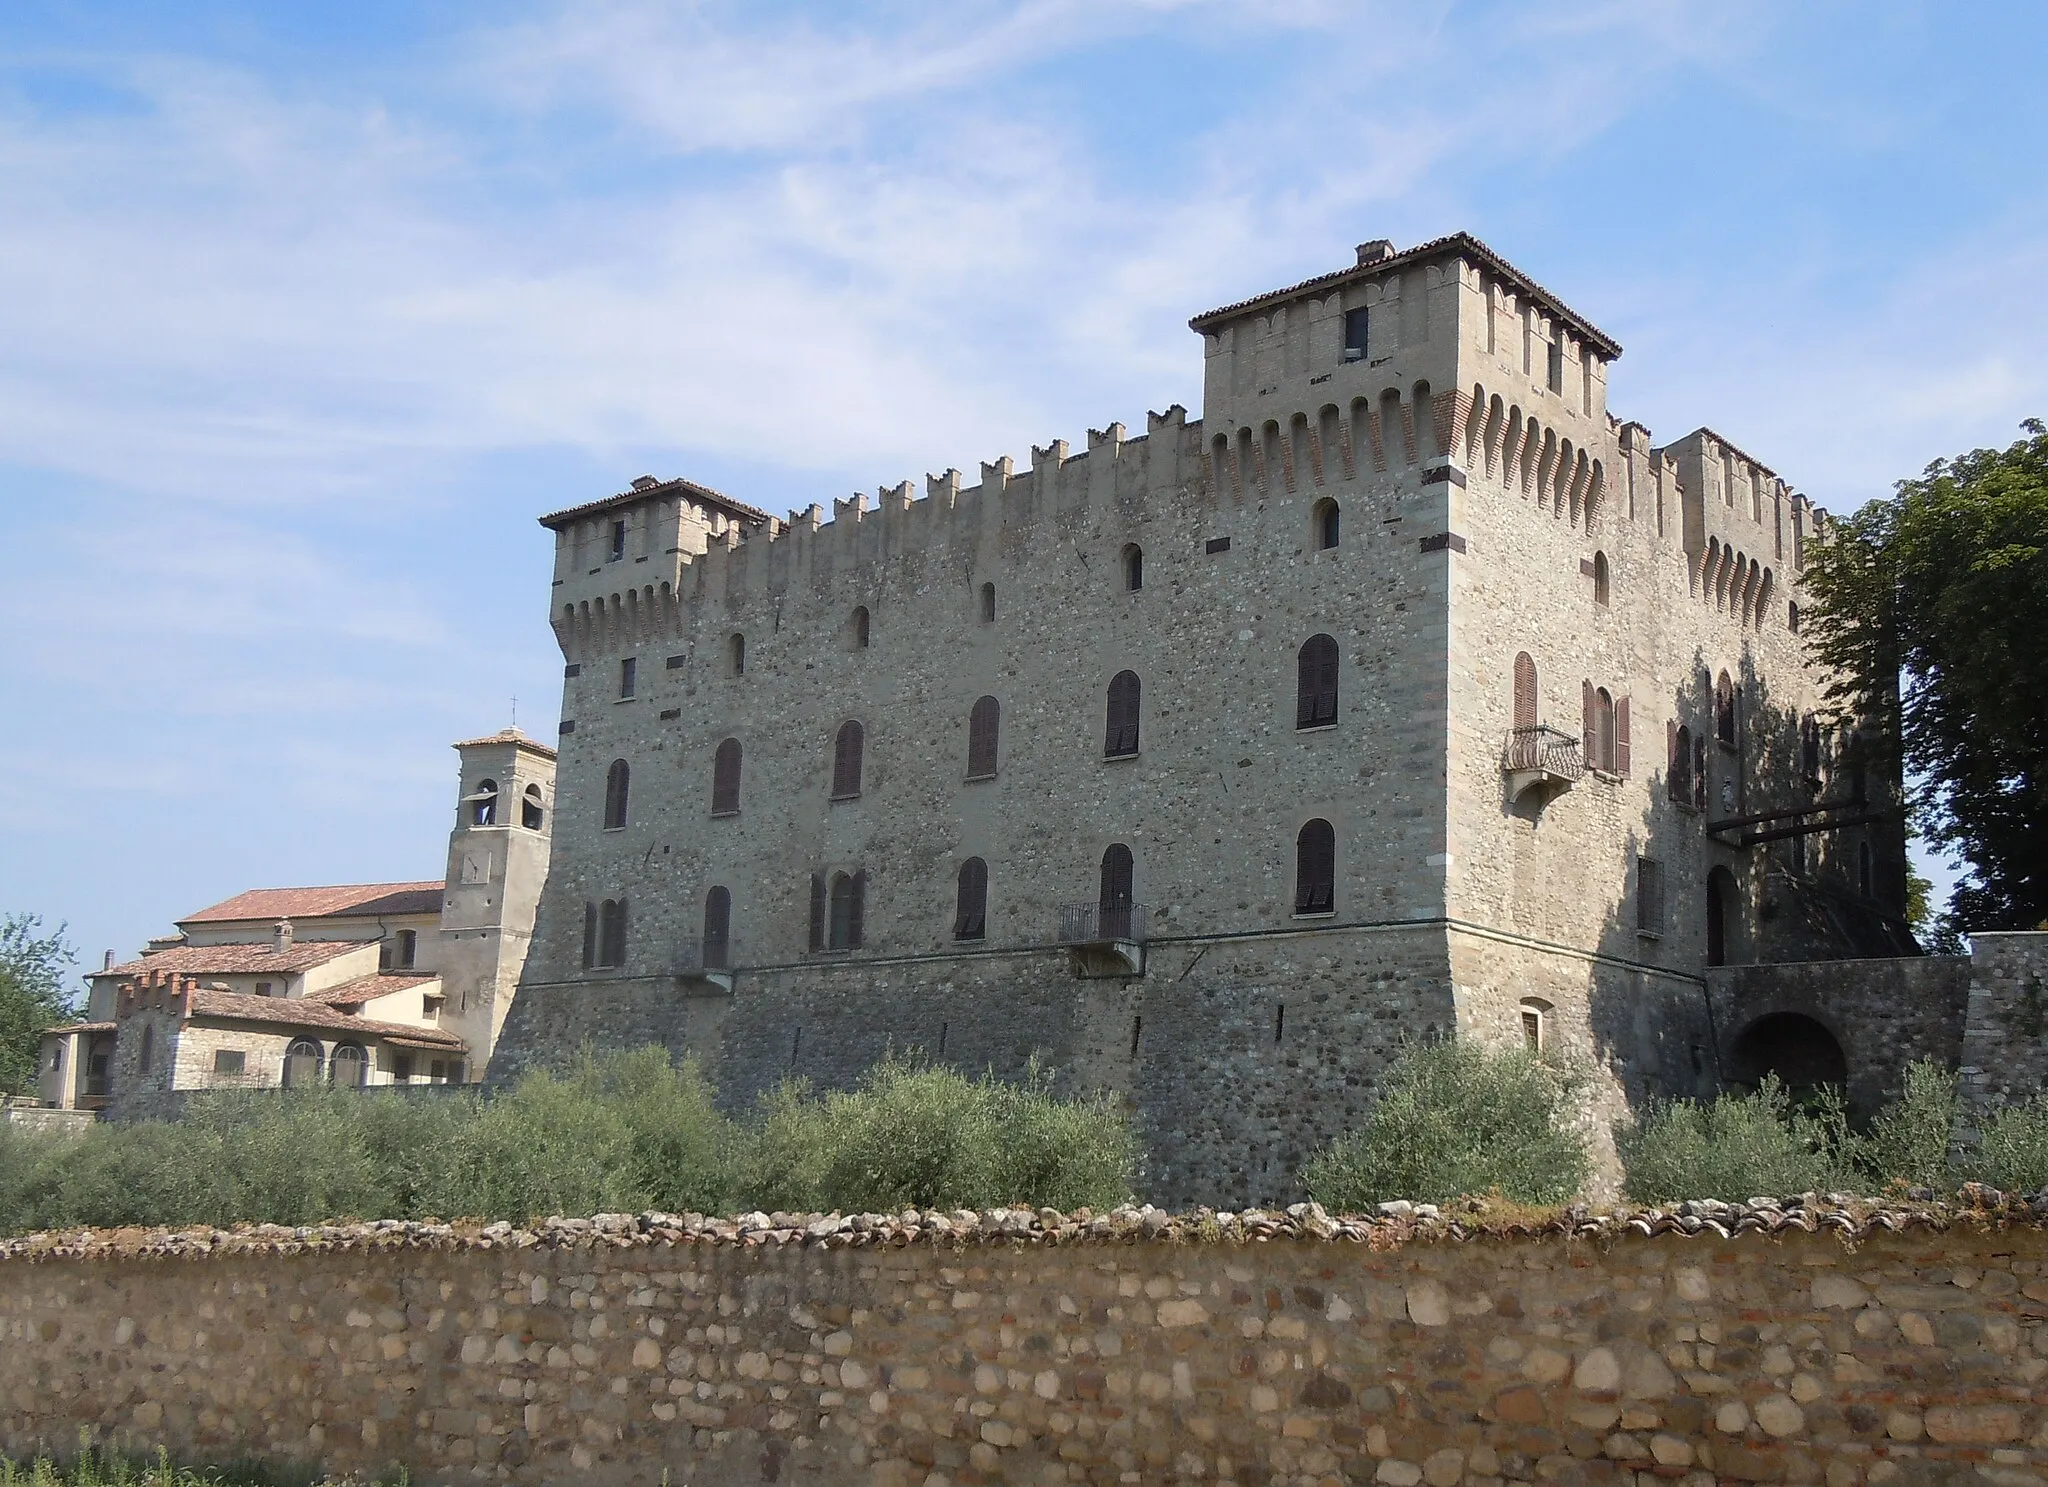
(302, 1062)
(1809, 749)
(617, 780)
(1599, 728)
(988, 604)
(984, 723)
(1315, 683)
(1113, 900)
(1724, 710)
(849, 895)
(846, 760)
(147, 1057)
(1536, 1025)
(1724, 916)
(970, 913)
(1792, 618)
(611, 934)
(857, 628)
(532, 813)
(348, 1068)
(725, 779)
(1600, 579)
(1315, 869)
(736, 653)
(1678, 774)
(1325, 523)
(1120, 737)
(1525, 690)
(483, 805)
(717, 944)
(1134, 567)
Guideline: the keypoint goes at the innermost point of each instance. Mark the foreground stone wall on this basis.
(1798, 1345)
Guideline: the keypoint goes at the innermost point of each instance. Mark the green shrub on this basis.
(918, 1135)
(1908, 1141)
(1454, 1118)
(1736, 1147)
(2011, 1153)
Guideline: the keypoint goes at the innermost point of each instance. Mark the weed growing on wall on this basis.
(1736, 1147)
(1455, 1118)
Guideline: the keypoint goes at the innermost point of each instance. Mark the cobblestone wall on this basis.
(2005, 1034)
(1768, 1345)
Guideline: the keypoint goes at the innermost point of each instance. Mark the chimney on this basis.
(107, 960)
(1374, 251)
(281, 937)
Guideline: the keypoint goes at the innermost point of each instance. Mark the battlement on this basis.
(157, 991)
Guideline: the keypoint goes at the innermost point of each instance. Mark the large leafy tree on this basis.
(1939, 596)
(32, 994)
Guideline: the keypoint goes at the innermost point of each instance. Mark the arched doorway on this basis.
(1800, 1051)
(1724, 916)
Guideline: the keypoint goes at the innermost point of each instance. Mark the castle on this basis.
(1406, 692)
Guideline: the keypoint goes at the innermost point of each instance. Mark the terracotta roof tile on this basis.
(84, 1027)
(298, 1012)
(343, 900)
(509, 736)
(238, 960)
(677, 486)
(368, 988)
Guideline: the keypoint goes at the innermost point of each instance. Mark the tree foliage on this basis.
(32, 995)
(1939, 595)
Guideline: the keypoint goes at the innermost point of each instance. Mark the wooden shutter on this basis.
(725, 779)
(984, 724)
(589, 935)
(1525, 690)
(1316, 683)
(1621, 759)
(717, 928)
(846, 761)
(1315, 868)
(970, 918)
(819, 908)
(1121, 734)
(856, 910)
(1589, 724)
(1116, 878)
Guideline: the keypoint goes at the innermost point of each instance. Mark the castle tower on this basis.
(497, 865)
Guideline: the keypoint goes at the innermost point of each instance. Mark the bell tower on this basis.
(497, 865)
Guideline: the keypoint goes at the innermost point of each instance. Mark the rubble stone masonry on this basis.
(1769, 1344)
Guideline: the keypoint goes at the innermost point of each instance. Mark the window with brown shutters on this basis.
(617, 780)
(1315, 684)
(1525, 690)
(717, 943)
(846, 760)
(1600, 742)
(1678, 772)
(589, 935)
(1315, 869)
(1120, 738)
(1589, 723)
(1699, 773)
(725, 779)
(611, 934)
(820, 909)
(970, 913)
(984, 725)
(1724, 710)
(1620, 761)
(848, 906)
(1114, 898)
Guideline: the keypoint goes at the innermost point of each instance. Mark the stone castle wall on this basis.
(1810, 1346)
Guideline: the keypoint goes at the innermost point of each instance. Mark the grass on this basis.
(99, 1466)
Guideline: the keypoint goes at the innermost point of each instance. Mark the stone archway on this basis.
(1799, 1050)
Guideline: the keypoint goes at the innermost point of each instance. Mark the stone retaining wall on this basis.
(1797, 1345)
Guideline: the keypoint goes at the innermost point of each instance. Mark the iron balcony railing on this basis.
(1096, 924)
(1543, 748)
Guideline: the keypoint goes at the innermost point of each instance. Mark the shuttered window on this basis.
(589, 935)
(984, 725)
(725, 779)
(717, 944)
(1315, 690)
(1620, 760)
(846, 760)
(970, 914)
(820, 897)
(1315, 869)
(849, 895)
(1120, 738)
(1525, 690)
(611, 934)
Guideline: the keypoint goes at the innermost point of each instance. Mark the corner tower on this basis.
(497, 866)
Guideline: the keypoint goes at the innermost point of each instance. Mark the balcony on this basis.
(1105, 940)
(1540, 758)
(706, 968)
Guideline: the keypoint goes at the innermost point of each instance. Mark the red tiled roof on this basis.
(298, 1012)
(238, 960)
(509, 736)
(677, 486)
(368, 988)
(344, 900)
(83, 1027)
(1460, 242)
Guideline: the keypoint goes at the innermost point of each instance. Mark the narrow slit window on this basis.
(847, 748)
(984, 726)
(857, 629)
(1679, 772)
(1315, 869)
(1326, 524)
(618, 541)
(629, 673)
(1601, 579)
(717, 943)
(1315, 692)
(1724, 710)
(725, 779)
(988, 604)
(1357, 333)
(1120, 737)
(736, 653)
(611, 934)
(848, 909)
(970, 913)
(1134, 568)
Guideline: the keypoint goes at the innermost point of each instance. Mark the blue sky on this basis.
(306, 311)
